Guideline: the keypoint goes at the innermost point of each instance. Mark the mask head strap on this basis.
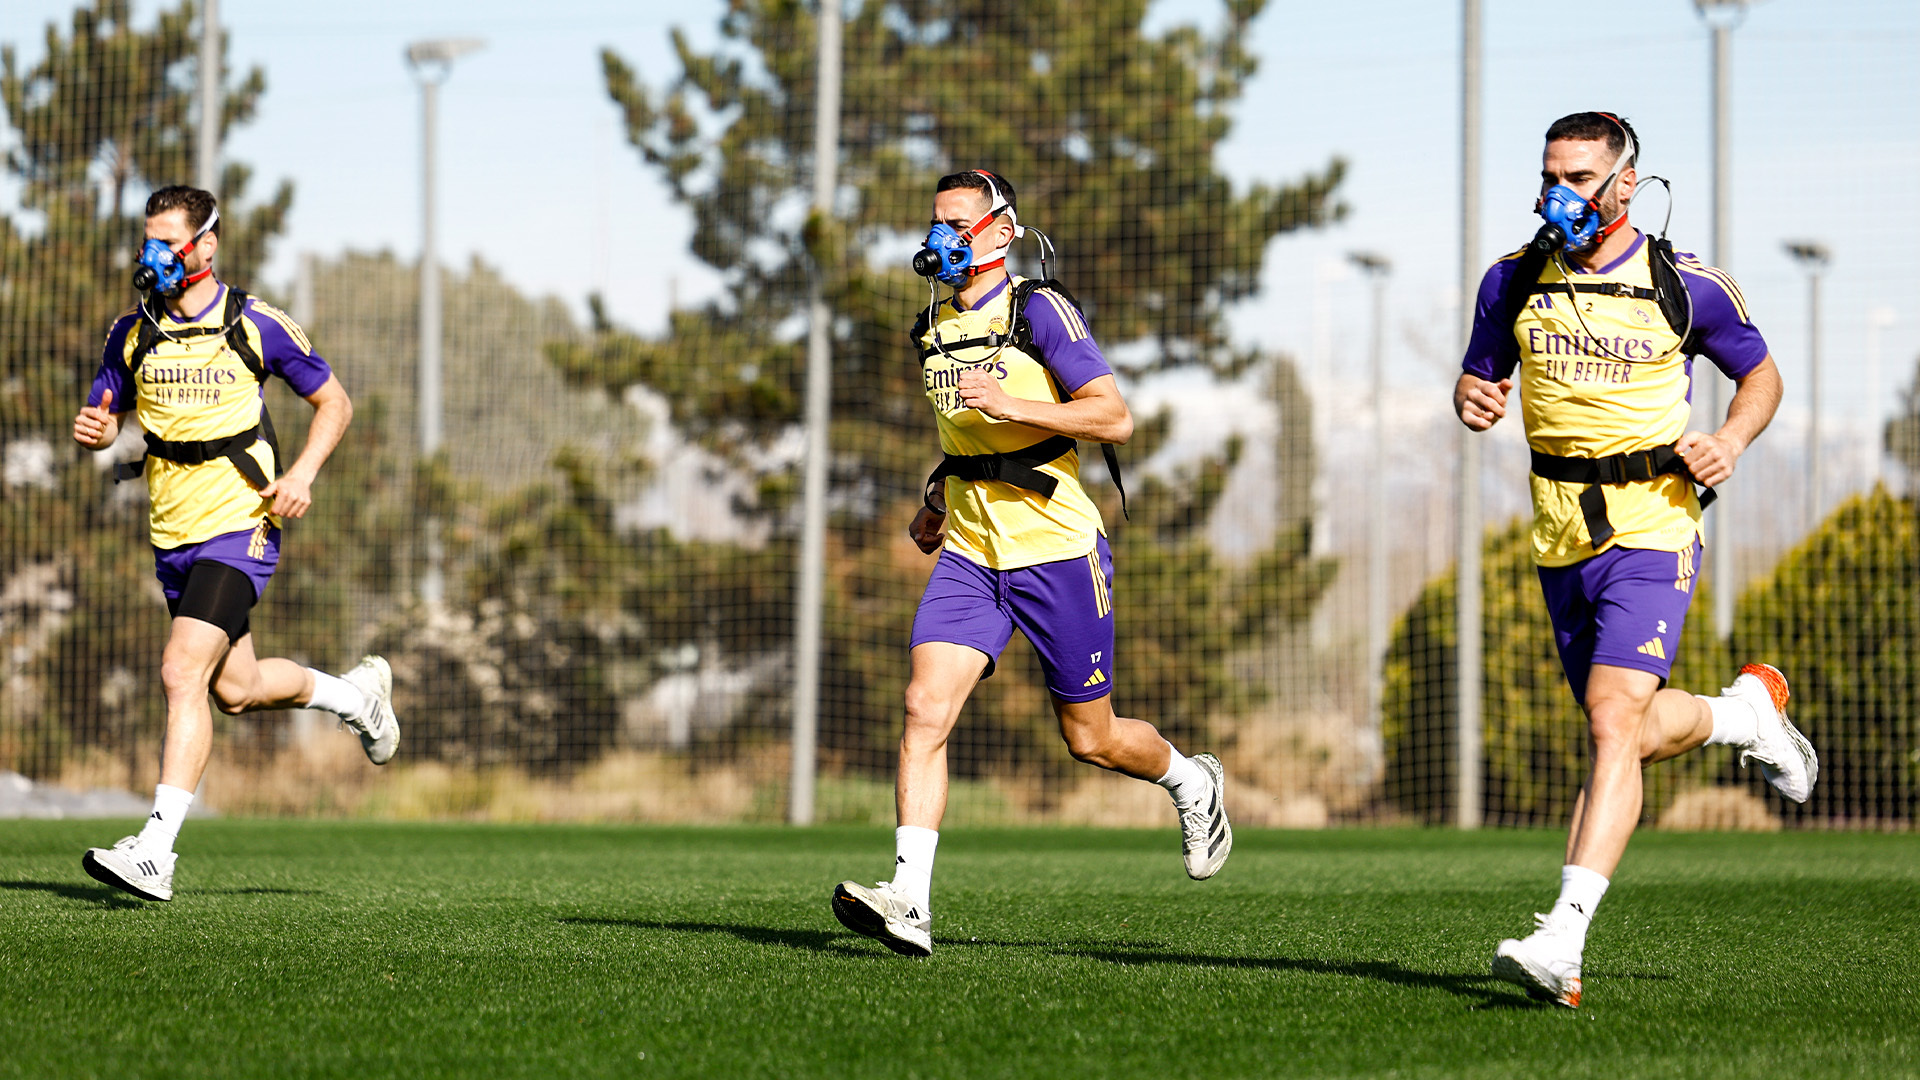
(1628, 157)
(212, 220)
(997, 205)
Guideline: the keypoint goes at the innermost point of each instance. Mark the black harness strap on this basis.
(1604, 288)
(1636, 467)
(200, 451)
(1021, 468)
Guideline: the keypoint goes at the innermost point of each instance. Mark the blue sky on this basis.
(536, 179)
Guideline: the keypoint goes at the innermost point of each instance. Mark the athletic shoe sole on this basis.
(1510, 969)
(105, 875)
(855, 915)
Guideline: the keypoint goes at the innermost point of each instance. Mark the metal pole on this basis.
(1467, 659)
(303, 302)
(427, 385)
(1719, 569)
(813, 527)
(433, 582)
(1376, 269)
(431, 61)
(207, 141)
(1812, 257)
(1878, 319)
(1815, 503)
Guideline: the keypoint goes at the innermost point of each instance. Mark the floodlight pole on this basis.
(207, 140)
(1721, 16)
(1467, 611)
(813, 485)
(1812, 257)
(1376, 268)
(1878, 319)
(432, 62)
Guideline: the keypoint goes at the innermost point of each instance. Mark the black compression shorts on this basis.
(219, 594)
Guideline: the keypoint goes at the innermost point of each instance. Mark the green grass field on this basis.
(301, 949)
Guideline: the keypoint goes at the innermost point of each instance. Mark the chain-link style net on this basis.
(616, 513)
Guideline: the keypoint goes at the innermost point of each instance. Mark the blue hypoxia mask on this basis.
(163, 270)
(1579, 218)
(947, 254)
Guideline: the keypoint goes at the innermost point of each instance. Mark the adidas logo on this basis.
(156, 816)
(1095, 679)
(1654, 649)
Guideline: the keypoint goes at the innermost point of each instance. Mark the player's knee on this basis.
(181, 672)
(1617, 726)
(927, 713)
(1088, 743)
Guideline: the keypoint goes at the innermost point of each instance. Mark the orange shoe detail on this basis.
(1570, 997)
(1776, 683)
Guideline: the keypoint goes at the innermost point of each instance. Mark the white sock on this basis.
(913, 863)
(333, 694)
(1734, 722)
(1186, 782)
(1580, 893)
(169, 813)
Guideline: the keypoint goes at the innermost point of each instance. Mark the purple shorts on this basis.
(1623, 607)
(1064, 608)
(254, 552)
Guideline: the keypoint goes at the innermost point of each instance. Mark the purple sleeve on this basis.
(1061, 337)
(1727, 336)
(1492, 352)
(113, 374)
(285, 350)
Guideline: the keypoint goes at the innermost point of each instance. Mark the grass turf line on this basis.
(307, 949)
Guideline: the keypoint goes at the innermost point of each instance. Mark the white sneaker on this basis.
(1785, 756)
(885, 914)
(378, 728)
(1546, 963)
(1206, 836)
(131, 868)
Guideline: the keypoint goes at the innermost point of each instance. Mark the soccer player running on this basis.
(1601, 332)
(192, 359)
(1026, 550)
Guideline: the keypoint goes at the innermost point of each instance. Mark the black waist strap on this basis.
(199, 452)
(1021, 468)
(1637, 467)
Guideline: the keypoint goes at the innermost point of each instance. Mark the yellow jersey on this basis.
(197, 388)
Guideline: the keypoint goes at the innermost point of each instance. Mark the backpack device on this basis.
(1669, 292)
(1021, 467)
(200, 451)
